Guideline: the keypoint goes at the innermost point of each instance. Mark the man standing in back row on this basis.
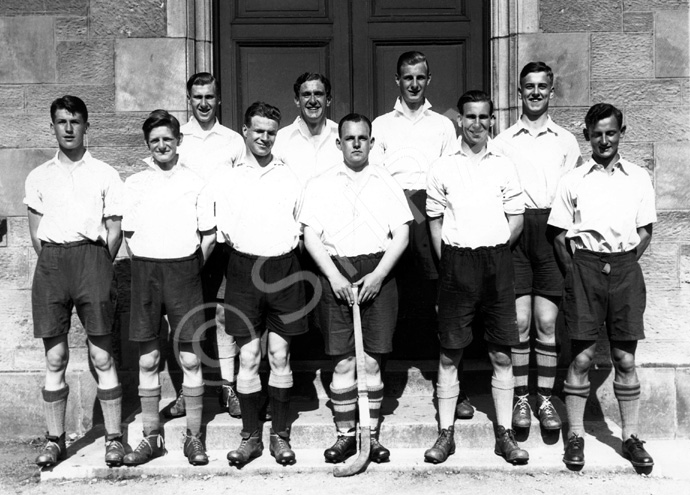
(209, 147)
(543, 152)
(407, 141)
(307, 145)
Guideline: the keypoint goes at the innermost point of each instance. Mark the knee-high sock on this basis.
(575, 402)
(279, 388)
(54, 407)
(502, 394)
(111, 404)
(547, 359)
(150, 400)
(249, 395)
(344, 409)
(447, 400)
(375, 399)
(520, 358)
(628, 396)
(194, 401)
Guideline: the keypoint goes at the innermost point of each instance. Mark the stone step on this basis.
(85, 461)
(408, 422)
(312, 379)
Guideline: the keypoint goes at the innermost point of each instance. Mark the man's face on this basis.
(312, 102)
(535, 92)
(204, 102)
(163, 144)
(260, 135)
(475, 122)
(412, 81)
(604, 137)
(69, 129)
(355, 142)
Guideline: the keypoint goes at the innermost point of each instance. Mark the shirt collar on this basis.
(152, 165)
(399, 106)
(490, 149)
(84, 159)
(621, 164)
(549, 126)
(301, 127)
(247, 164)
(194, 128)
(342, 170)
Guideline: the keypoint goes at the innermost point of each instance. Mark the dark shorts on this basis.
(378, 316)
(419, 259)
(270, 299)
(476, 281)
(592, 297)
(534, 258)
(167, 286)
(74, 274)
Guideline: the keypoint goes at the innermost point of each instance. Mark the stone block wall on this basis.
(124, 58)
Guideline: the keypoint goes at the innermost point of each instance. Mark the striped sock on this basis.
(54, 408)
(344, 402)
(520, 358)
(194, 402)
(150, 400)
(375, 400)
(547, 360)
(575, 402)
(111, 404)
(628, 396)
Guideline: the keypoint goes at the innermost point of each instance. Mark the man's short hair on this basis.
(261, 109)
(412, 58)
(475, 96)
(312, 76)
(73, 104)
(161, 118)
(602, 111)
(201, 79)
(353, 117)
(536, 67)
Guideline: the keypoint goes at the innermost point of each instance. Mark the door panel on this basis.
(271, 71)
(263, 45)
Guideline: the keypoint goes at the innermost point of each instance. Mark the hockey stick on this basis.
(360, 463)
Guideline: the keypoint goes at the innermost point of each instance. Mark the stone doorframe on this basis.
(193, 19)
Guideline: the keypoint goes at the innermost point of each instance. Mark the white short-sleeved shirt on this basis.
(74, 201)
(256, 208)
(407, 148)
(474, 198)
(207, 151)
(354, 216)
(541, 158)
(601, 212)
(165, 213)
(305, 154)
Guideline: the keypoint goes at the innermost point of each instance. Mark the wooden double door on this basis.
(263, 45)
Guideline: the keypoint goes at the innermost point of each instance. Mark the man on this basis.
(604, 211)
(542, 152)
(308, 144)
(355, 221)
(256, 204)
(408, 140)
(74, 214)
(209, 147)
(170, 233)
(475, 208)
